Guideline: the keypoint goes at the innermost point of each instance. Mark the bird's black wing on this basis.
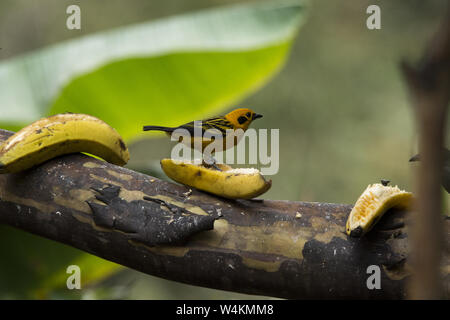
(217, 123)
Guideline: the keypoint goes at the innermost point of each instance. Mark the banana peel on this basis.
(228, 183)
(61, 134)
(371, 206)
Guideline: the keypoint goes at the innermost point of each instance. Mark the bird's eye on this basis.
(248, 115)
(242, 119)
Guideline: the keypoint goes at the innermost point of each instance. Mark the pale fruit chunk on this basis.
(372, 204)
(240, 183)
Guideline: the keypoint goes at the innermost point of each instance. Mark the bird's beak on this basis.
(414, 158)
(256, 116)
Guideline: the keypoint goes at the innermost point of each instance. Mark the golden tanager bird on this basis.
(223, 125)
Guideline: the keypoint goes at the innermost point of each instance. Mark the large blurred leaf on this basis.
(164, 72)
(168, 90)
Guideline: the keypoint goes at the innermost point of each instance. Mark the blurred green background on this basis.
(339, 102)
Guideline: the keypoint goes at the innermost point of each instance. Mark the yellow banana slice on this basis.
(228, 183)
(372, 204)
(61, 134)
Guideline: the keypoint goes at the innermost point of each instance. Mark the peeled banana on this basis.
(226, 182)
(61, 134)
(372, 204)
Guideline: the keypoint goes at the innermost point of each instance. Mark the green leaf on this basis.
(174, 88)
(163, 72)
(33, 267)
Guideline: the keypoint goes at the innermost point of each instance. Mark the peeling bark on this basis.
(274, 248)
(150, 223)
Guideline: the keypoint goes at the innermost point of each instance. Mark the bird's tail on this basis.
(158, 128)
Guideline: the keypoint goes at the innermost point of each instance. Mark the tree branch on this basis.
(429, 87)
(273, 248)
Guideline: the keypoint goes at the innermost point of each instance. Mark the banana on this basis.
(372, 204)
(228, 183)
(61, 134)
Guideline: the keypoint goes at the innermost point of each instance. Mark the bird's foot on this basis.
(210, 162)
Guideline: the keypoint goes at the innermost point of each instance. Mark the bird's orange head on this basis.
(241, 118)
